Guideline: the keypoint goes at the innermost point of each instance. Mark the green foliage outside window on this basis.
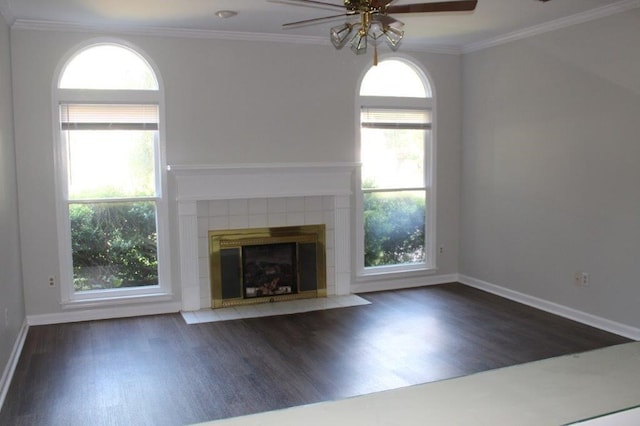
(113, 245)
(394, 228)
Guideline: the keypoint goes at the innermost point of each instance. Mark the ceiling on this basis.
(492, 21)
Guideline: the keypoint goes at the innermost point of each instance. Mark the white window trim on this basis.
(364, 275)
(161, 292)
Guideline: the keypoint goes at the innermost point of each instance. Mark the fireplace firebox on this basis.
(260, 265)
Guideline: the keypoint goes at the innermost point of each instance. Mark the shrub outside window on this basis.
(111, 206)
(395, 181)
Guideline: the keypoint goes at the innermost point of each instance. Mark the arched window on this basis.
(395, 200)
(108, 67)
(111, 209)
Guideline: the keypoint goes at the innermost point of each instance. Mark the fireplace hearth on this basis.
(260, 265)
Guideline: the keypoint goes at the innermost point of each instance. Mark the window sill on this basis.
(394, 274)
(104, 301)
(395, 280)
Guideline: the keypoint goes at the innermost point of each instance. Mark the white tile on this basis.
(205, 284)
(205, 302)
(207, 315)
(203, 208)
(203, 260)
(269, 309)
(258, 206)
(205, 292)
(291, 306)
(295, 204)
(328, 202)
(203, 246)
(218, 208)
(312, 204)
(330, 240)
(226, 314)
(313, 218)
(203, 228)
(239, 207)
(294, 219)
(190, 317)
(277, 219)
(218, 222)
(350, 300)
(239, 222)
(258, 221)
(329, 220)
(260, 310)
(276, 205)
(203, 269)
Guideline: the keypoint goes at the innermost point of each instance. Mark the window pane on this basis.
(394, 228)
(113, 245)
(392, 158)
(395, 79)
(111, 163)
(108, 67)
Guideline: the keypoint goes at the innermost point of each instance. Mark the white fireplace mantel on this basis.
(195, 183)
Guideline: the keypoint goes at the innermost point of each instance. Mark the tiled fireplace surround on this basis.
(212, 197)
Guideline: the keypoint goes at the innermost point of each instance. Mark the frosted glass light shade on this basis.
(340, 34)
(359, 42)
(393, 37)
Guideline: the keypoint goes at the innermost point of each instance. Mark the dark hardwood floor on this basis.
(157, 370)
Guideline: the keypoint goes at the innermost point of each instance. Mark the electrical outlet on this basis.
(581, 279)
(52, 281)
(584, 279)
(441, 250)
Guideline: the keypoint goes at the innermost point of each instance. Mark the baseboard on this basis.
(12, 363)
(554, 308)
(105, 313)
(382, 283)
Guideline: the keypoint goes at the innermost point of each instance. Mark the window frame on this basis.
(363, 273)
(161, 292)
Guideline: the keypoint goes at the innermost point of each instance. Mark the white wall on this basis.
(551, 166)
(11, 298)
(226, 102)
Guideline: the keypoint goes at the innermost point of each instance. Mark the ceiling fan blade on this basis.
(380, 3)
(441, 6)
(308, 3)
(387, 20)
(312, 20)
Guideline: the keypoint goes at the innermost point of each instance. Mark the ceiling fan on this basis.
(374, 20)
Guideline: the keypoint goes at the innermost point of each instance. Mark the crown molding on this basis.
(556, 24)
(447, 49)
(37, 25)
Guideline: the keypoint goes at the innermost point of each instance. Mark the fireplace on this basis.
(198, 187)
(258, 265)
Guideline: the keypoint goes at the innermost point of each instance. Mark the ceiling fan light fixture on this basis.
(359, 42)
(340, 34)
(393, 37)
(376, 30)
(375, 20)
